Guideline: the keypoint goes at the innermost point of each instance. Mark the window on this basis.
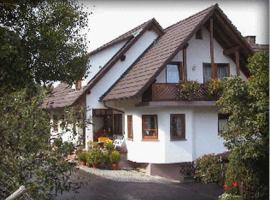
(130, 127)
(222, 122)
(173, 72)
(222, 71)
(178, 127)
(207, 71)
(198, 35)
(149, 127)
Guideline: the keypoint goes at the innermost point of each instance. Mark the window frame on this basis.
(174, 137)
(147, 138)
(222, 117)
(217, 65)
(130, 127)
(179, 68)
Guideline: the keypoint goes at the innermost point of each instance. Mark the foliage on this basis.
(67, 148)
(226, 196)
(115, 156)
(109, 146)
(247, 132)
(95, 157)
(188, 90)
(41, 41)
(214, 88)
(27, 157)
(208, 169)
(82, 156)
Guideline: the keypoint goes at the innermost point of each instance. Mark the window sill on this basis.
(150, 140)
(178, 139)
(130, 139)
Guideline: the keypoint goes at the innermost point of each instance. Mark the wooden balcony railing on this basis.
(171, 92)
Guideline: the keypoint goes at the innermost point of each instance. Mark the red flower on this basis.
(235, 184)
(226, 187)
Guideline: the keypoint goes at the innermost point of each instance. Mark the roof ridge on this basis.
(181, 21)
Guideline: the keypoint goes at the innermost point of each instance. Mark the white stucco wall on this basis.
(198, 52)
(98, 60)
(201, 136)
(92, 99)
(206, 138)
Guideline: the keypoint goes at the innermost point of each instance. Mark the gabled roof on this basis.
(64, 96)
(126, 36)
(142, 74)
(61, 96)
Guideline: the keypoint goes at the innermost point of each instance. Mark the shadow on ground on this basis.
(95, 187)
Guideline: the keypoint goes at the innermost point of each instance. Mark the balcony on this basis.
(172, 92)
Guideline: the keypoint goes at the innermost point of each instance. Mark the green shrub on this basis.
(95, 157)
(67, 148)
(115, 156)
(208, 169)
(57, 142)
(109, 146)
(82, 156)
(188, 90)
(226, 196)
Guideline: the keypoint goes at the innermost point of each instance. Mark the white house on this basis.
(132, 90)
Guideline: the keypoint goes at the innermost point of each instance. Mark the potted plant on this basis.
(115, 158)
(82, 157)
(95, 157)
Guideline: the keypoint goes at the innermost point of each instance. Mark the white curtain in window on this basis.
(172, 73)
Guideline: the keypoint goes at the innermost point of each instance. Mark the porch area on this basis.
(107, 123)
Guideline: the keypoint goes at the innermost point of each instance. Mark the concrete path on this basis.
(99, 188)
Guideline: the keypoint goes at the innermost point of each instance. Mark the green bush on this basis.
(115, 156)
(57, 142)
(226, 196)
(67, 148)
(109, 146)
(208, 169)
(95, 157)
(82, 156)
(188, 90)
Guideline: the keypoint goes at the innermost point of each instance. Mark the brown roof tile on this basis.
(62, 96)
(141, 73)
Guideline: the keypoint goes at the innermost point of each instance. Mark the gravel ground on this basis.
(125, 175)
(116, 187)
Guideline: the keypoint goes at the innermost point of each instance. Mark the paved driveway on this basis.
(98, 187)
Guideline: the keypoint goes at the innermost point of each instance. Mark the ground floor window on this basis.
(130, 126)
(222, 122)
(150, 127)
(177, 126)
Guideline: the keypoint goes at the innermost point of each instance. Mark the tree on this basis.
(40, 42)
(247, 132)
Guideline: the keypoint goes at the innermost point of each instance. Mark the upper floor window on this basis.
(173, 72)
(149, 127)
(177, 126)
(199, 34)
(222, 71)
